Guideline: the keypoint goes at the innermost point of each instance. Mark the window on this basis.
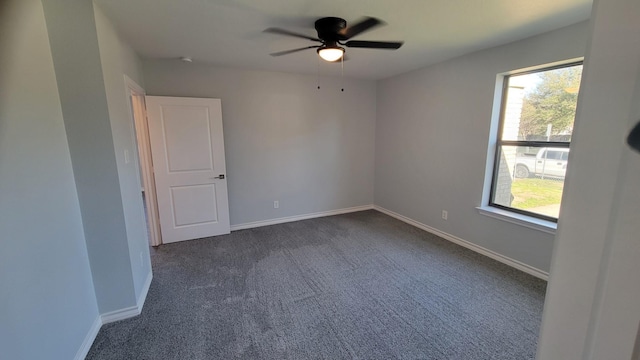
(534, 136)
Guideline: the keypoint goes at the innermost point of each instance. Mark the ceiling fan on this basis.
(333, 34)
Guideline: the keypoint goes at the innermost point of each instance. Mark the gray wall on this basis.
(432, 132)
(285, 140)
(79, 74)
(47, 299)
(118, 59)
(592, 308)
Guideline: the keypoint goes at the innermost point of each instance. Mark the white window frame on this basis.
(488, 208)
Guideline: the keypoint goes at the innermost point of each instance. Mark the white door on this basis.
(187, 149)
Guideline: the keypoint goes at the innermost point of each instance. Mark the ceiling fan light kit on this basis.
(331, 54)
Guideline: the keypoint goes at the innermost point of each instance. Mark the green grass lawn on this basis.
(534, 192)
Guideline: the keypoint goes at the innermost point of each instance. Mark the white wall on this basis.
(118, 60)
(312, 150)
(47, 299)
(592, 308)
(432, 132)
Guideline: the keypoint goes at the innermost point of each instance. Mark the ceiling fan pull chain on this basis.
(342, 72)
(318, 74)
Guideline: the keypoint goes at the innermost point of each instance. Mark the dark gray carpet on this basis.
(354, 286)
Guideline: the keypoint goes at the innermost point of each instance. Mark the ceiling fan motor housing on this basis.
(329, 29)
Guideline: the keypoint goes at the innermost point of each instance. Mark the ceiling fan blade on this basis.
(365, 24)
(290, 33)
(280, 53)
(374, 44)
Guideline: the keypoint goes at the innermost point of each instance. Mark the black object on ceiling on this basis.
(634, 138)
(333, 33)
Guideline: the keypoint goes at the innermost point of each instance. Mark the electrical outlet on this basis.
(445, 214)
(276, 204)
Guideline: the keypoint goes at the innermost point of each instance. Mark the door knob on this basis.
(221, 176)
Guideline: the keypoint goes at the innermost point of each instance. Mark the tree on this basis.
(553, 101)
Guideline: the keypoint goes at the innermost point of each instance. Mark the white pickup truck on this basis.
(550, 162)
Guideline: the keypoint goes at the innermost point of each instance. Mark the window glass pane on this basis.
(556, 155)
(541, 106)
(530, 182)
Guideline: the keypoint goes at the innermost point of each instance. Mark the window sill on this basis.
(530, 222)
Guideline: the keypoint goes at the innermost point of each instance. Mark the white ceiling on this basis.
(229, 32)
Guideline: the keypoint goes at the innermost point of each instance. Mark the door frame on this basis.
(138, 118)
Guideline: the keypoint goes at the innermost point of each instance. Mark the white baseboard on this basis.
(299, 217)
(131, 311)
(112, 316)
(88, 340)
(120, 314)
(145, 291)
(469, 245)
